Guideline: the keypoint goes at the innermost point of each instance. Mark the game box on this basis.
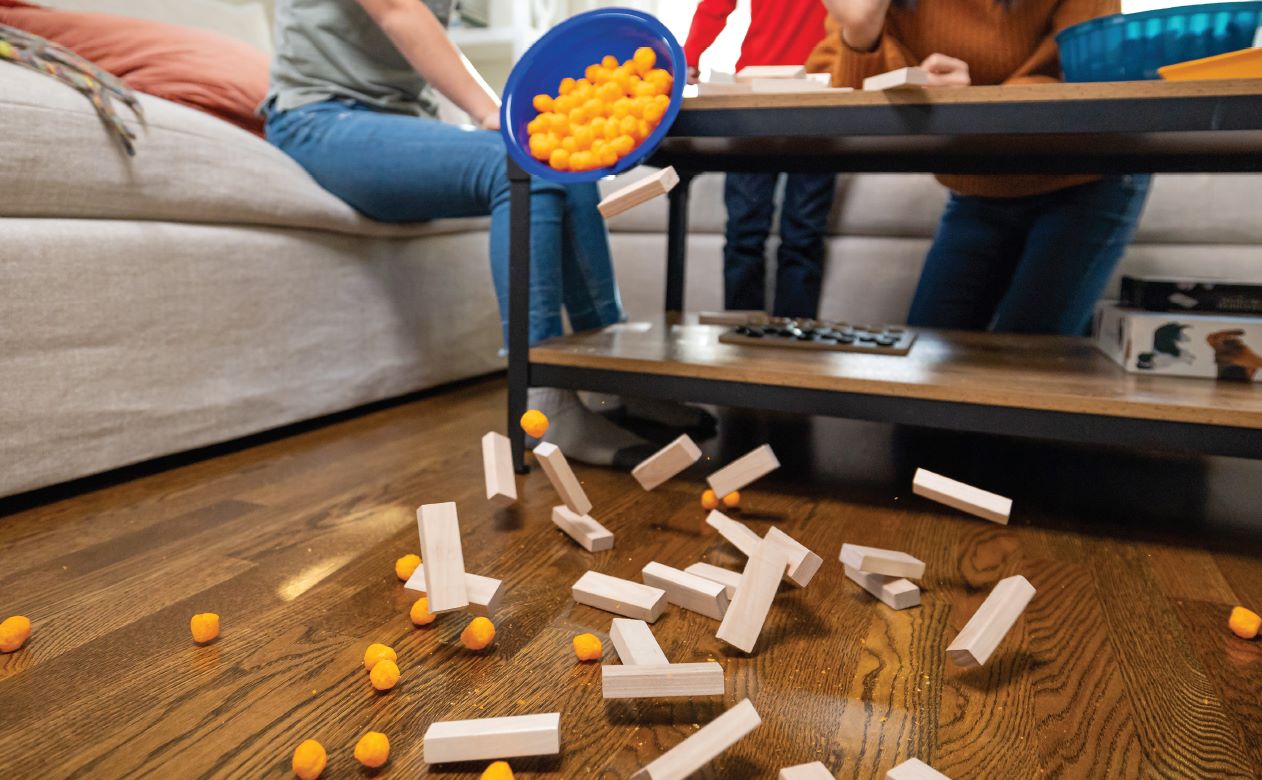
(1212, 346)
(1199, 295)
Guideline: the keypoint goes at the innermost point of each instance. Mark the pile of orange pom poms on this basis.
(597, 120)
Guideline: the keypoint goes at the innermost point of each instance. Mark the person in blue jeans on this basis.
(345, 103)
(750, 199)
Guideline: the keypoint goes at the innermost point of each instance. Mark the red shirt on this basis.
(781, 32)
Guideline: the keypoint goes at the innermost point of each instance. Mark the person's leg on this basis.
(750, 199)
(1076, 241)
(808, 200)
(976, 249)
(590, 289)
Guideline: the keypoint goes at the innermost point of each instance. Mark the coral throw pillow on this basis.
(200, 69)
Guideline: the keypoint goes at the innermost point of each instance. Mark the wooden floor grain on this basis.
(1121, 667)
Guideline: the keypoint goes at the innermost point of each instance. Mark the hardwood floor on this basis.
(1122, 666)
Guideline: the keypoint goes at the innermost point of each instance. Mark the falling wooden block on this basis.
(483, 739)
(638, 193)
(445, 585)
(802, 562)
(743, 470)
(619, 596)
(704, 745)
(633, 641)
(874, 560)
(726, 577)
(894, 592)
(484, 592)
(991, 622)
(497, 465)
(748, 611)
(666, 462)
(812, 771)
(689, 591)
(562, 478)
(780, 72)
(897, 79)
(584, 529)
(965, 498)
(914, 769)
(648, 681)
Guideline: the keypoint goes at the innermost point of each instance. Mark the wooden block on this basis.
(914, 769)
(802, 562)
(902, 78)
(640, 192)
(812, 771)
(484, 592)
(633, 641)
(743, 471)
(726, 577)
(874, 560)
(748, 611)
(483, 739)
(648, 681)
(689, 591)
(562, 478)
(741, 536)
(994, 618)
(730, 318)
(619, 596)
(440, 549)
(783, 86)
(497, 465)
(583, 529)
(752, 72)
(704, 745)
(666, 462)
(706, 88)
(894, 592)
(965, 498)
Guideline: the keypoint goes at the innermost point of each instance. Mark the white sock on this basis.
(583, 435)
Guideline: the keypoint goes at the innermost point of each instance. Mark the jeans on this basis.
(398, 168)
(1035, 264)
(750, 198)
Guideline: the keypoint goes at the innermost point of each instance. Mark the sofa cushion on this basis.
(247, 21)
(57, 160)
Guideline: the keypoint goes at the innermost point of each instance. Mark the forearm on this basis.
(861, 21)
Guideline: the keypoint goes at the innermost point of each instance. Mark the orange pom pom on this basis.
(1244, 623)
(534, 423)
(500, 770)
(542, 103)
(560, 159)
(205, 627)
(732, 500)
(373, 750)
(378, 652)
(406, 566)
(587, 647)
(479, 634)
(709, 500)
(14, 632)
(566, 86)
(384, 675)
(309, 760)
(645, 58)
(420, 614)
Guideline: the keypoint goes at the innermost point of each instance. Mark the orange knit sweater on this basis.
(1012, 43)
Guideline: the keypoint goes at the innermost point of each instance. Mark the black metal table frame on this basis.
(1119, 135)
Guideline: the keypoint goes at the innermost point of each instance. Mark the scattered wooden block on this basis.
(894, 592)
(439, 528)
(647, 681)
(484, 592)
(640, 192)
(744, 470)
(666, 462)
(748, 611)
(726, 577)
(562, 478)
(897, 79)
(482, 739)
(994, 618)
(497, 465)
(634, 642)
(802, 562)
(914, 769)
(780, 72)
(741, 536)
(874, 560)
(704, 745)
(689, 591)
(619, 596)
(965, 498)
(584, 529)
(812, 771)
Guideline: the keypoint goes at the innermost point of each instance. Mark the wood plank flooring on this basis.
(1122, 666)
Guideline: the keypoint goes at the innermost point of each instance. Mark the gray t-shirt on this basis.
(333, 49)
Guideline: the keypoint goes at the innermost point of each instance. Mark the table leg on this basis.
(677, 243)
(518, 309)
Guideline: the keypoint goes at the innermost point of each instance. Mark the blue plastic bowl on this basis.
(1130, 47)
(567, 50)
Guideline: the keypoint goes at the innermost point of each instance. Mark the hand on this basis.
(946, 71)
(861, 21)
(694, 74)
(491, 121)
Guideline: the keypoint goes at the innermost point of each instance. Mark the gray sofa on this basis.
(209, 289)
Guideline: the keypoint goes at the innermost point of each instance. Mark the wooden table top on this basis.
(1024, 372)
